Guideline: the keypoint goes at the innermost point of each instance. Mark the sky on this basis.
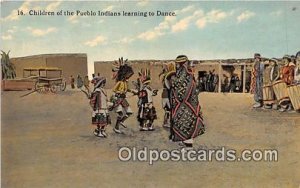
(200, 29)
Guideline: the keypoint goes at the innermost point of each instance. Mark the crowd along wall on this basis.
(155, 66)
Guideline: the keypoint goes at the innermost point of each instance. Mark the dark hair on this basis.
(297, 54)
(257, 55)
(124, 72)
(181, 56)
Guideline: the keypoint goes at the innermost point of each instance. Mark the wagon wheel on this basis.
(38, 87)
(53, 88)
(46, 88)
(63, 85)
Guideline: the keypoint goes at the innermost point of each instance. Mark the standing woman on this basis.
(72, 81)
(287, 76)
(79, 82)
(294, 89)
(257, 81)
(187, 121)
(86, 83)
(167, 72)
(297, 69)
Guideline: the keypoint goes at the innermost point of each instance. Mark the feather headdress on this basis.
(168, 69)
(121, 70)
(118, 64)
(145, 76)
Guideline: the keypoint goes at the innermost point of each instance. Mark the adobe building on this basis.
(223, 68)
(71, 64)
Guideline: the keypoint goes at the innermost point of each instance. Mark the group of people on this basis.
(183, 113)
(208, 82)
(276, 84)
(80, 82)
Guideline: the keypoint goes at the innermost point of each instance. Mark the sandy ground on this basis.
(47, 141)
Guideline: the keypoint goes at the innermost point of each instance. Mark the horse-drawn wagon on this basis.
(46, 79)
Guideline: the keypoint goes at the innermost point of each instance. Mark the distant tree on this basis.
(8, 69)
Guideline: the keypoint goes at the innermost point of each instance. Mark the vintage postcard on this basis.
(150, 94)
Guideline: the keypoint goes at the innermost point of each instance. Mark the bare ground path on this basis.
(47, 142)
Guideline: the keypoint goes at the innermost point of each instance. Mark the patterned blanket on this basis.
(187, 120)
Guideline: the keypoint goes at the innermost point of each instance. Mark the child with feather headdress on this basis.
(147, 113)
(167, 72)
(99, 104)
(121, 74)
